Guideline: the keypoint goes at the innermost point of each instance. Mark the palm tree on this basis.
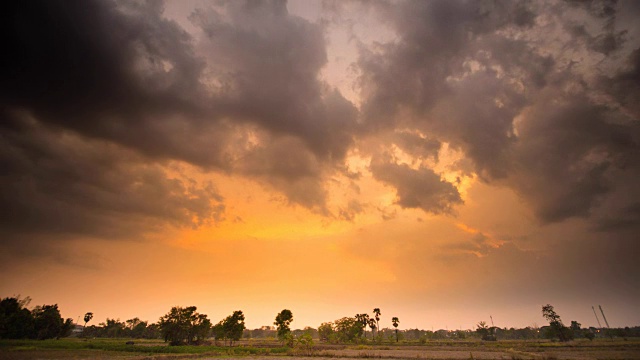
(372, 325)
(87, 317)
(395, 322)
(377, 312)
(364, 320)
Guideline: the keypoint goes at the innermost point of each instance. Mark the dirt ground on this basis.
(501, 350)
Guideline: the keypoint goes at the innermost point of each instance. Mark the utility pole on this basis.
(594, 313)
(491, 317)
(604, 317)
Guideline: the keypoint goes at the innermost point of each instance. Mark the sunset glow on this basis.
(444, 161)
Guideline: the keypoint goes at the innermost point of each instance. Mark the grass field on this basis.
(259, 350)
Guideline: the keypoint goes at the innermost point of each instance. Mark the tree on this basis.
(395, 322)
(113, 328)
(325, 331)
(230, 328)
(556, 326)
(482, 329)
(305, 343)
(377, 314)
(16, 321)
(283, 320)
(182, 325)
(485, 332)
(363, 319)
(136, 328)
(372, 325)
(48, 323)
(589, 334)
(87, 317)
(67, 328)
(348, 329)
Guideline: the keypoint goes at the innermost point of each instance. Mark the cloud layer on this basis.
(524, 95)
(99, 99)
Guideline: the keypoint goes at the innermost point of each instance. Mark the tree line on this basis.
(42, 322)
(186, 326)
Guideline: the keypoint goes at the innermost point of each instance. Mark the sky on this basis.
(448, 162)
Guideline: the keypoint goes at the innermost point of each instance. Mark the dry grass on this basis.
(508, 350)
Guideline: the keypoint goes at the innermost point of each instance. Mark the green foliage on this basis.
(283, 320)
(305, 343)
(325, 331)
(184, 325)
(230, 328)
(348, 329)
(364, 320)
(372, 326)
(133, 328)
(288, 340)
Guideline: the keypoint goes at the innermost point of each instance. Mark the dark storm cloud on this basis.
(56, 184)
(418, 188)
(505, 83)
(93, 94)
(266, 63)
(122, 73)
(624, 86)
(502, 82)
(571, 143)
(134, 90)
(418, 145)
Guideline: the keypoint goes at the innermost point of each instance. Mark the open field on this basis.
(258, 350)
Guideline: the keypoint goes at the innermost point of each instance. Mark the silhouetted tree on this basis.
(87, 317)
(48, 323)
(363, 319)
(395, 322)
(486, 333)
(112, 328)
(182, 325)
(16, 321)
(556, 326)
(230, 328)
(67, 328)
(135, 328)
(283, 320)
(377, 314)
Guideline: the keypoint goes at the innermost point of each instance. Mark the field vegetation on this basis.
(41, 333)
(76, 348)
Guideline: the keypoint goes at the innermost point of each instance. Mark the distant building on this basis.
(77, 329)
